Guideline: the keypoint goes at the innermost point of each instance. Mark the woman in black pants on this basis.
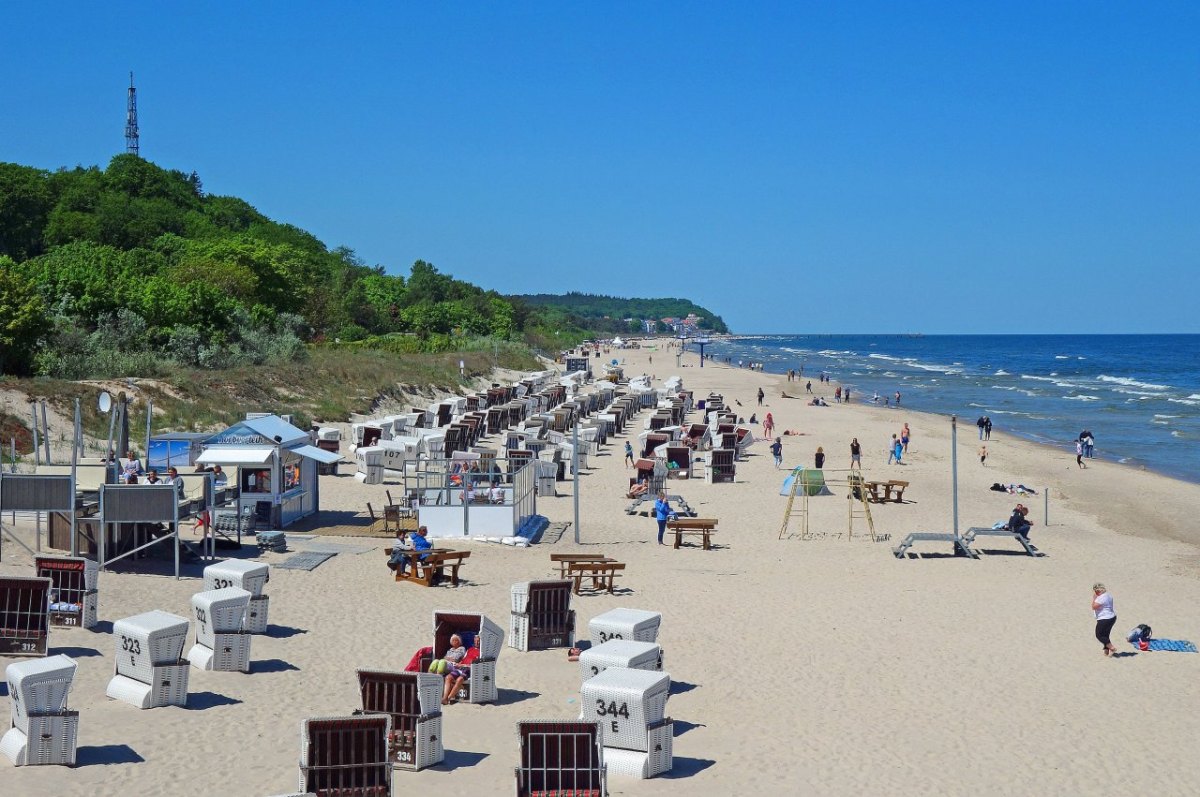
(1106, 616)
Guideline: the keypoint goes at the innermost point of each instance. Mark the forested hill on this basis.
(611, 312)
(134, 270)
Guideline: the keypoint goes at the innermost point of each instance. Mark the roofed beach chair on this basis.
(413, 701)
(560, 758)
(541, 616)
(346, 756)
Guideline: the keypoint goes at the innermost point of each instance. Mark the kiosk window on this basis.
(256, 480)
(291, 475)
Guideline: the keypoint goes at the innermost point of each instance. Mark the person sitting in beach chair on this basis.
(1019, 522)
(452, 667)
(639, 489)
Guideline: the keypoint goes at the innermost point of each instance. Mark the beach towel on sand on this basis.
(1173, 645)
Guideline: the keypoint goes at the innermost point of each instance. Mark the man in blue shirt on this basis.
(419, 543)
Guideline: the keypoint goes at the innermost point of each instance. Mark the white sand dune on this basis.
(823, 667)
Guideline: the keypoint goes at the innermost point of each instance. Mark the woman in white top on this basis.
(1106, 616)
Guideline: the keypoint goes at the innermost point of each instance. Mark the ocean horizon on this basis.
(1139, 394)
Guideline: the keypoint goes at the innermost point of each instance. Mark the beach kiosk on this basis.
(276, 468)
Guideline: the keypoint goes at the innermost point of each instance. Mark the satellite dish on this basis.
(105, 401)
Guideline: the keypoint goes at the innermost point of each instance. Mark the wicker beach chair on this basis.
(413, 702)
(346, 756)
(541, 616)
(560, 758)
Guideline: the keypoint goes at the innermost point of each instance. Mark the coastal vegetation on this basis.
(135, 269)
(616, 315)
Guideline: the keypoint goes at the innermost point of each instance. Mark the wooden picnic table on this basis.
(881, 491)
(565, 560)
(427, 566)
(603, 574)
(702, 526)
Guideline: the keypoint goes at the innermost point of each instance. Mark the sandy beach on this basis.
(822, 666)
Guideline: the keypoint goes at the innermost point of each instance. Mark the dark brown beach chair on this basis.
(346, 756)
(24, 616)
(560, 758)
(413, 702)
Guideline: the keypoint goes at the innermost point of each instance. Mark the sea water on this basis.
(1139, 395)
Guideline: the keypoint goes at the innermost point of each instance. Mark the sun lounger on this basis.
(961, 548)
(972, 533)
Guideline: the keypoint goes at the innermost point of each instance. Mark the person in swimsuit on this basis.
(904, 433)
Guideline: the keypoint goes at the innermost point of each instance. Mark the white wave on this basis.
(1123, 380)
(1176, 433)
(1158, 415)
(1082, 397)
(980, 406)
(832, 353)
(884, 357)
(1189, 402)
(1061, 357)
(1162, 423)
(1002, 372)
(1194, 396)
(1037, 378)
(890, 375)
(1136, 392)
(942, 369)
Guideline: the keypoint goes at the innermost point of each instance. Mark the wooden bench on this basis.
(427, 571)
(972, 533)
(603, 574)
(701, 526)
(564, 560)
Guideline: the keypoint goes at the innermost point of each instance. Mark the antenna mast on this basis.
(131, 123)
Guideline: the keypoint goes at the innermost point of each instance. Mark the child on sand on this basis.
(983, 455)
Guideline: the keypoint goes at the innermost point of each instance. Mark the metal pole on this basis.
(1046, 507)
(954, 470)
(109, 455)
(74, 477)
(37, 442)
(77, 431)
(149, 421)
(45, 432)
(575, 473)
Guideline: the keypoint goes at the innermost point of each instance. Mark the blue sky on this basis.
(796, 167)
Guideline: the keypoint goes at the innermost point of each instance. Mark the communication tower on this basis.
(131, 124)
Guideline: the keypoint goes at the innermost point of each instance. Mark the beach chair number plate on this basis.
(607, 637)
(612, 711)
(222, 583)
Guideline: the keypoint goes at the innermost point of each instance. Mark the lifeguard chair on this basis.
(43, 730)
(413, 702)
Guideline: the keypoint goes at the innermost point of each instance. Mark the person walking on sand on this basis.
(897, 398)
(768, 426)
(628, 454)
(820, 458)
(979, 423)
(777, 452)
(905, 434)
(897, 449)
(983, 455)
(987, 427)
(808, 387)
(855, 455)
(893, 448)
(662, 512)
(1106, 616)
(1079, 454)
(761, 394)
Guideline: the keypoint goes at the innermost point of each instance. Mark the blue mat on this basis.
(1173, 645)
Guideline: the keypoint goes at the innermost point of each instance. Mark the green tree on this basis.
(22, 319)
